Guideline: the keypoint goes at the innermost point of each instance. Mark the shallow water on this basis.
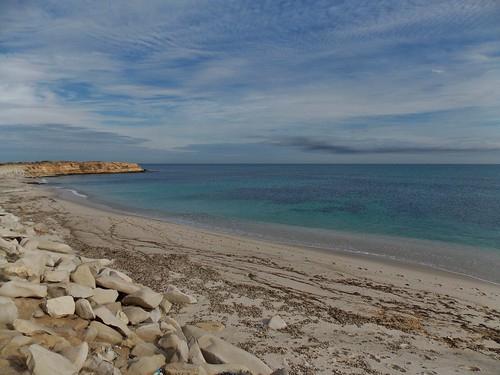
(443, 215)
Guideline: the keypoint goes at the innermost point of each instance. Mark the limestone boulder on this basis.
(184, 369)
(145, 349)
(276, 323)
(149, 332)
(79, 291)
(146, 365)
(29, 327)
(82, 276)
(107, 317)
(29, 267)
(116, 283)
(104, 296)
(41, 361)
(57, 247)
(60, 306)
(217, 351)
(135, 314)
(55, 276)
(77, 354)
(20, 288)
(176, 349)
(105, 334)
(144, 297)
(84, 310)
(115, 273)
(95, 365)
(8, 311)
(165, 305)
(174, 295)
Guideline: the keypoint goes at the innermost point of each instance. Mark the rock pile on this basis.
(64, 314)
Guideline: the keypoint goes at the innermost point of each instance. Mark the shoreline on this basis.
(345, 314)
(82, 199)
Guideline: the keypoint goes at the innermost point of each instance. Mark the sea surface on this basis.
(445, 216)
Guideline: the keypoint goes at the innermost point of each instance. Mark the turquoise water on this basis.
(453, 204)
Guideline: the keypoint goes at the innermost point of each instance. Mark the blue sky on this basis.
(251, 81)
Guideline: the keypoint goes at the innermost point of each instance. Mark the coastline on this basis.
(74, 196)
(344, 312)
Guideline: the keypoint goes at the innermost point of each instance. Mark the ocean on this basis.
(445, 216)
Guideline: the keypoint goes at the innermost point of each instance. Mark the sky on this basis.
(353, 81)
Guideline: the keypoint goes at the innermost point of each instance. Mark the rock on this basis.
(54, 246)
(115, 273)
(210, 326)
(56, 276)
(56, 290)
(195, 355)
(176, 350)
(122, 316)
(109, 319)
(165, 305)
(8, 246)
(114, 307)
(217, 351)
(145, 297)
(66, 264)
(29, 244)
(30, 267)
(104, 296)
(146, 365)
(145, 349)
(29, 327)
(79, 291)
(60, 306)
(174, 295)
(84, 310)
(20, 288)
(83, 276)
(149, 332)
(135, 314)
(77, 354)
(99, 366)
(113, 282)
(8, 311)
(184, 369)
(41, 361)
(96, 265)
(155, 315)
(105, 333)
(276, 322)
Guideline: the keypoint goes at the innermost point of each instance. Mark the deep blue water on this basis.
(454, 204)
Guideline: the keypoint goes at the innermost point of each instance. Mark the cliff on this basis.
(61, 168)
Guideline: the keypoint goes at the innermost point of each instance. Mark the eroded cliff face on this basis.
(60, 168)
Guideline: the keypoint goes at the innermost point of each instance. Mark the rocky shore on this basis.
(64, 314)
(61, 168)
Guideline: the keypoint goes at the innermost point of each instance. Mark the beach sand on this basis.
(345, 314)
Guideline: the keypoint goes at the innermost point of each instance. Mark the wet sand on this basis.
(345, 314)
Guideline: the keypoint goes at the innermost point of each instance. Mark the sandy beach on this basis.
(345, 314)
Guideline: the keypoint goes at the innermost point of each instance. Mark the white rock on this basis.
(165, 305)
(216, 350)
(116, 283)
(176, 350)
(8, 310)
(20, 288)
(174, 295)
(66, 264)
(41, 361)
(57, 247)
(109, 319)
(149, 332)
(146, 365)
(144, 297)
(105, 333)
(135, 314)
(104, 296)
(29, 267)
(155, 315)
(83, 276)
(8, 246)
(277, 323)
(79, 291)
(28, 327)
(77, 354)
(29, 244)
(60, 306)
(56, 276)
(84, 310)
(115, 273)
(99, 366)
